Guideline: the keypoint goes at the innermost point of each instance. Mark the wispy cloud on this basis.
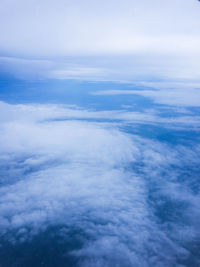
(168, 96)
(50, 112)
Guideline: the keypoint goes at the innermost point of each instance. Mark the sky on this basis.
(99, 133)
(76, 39)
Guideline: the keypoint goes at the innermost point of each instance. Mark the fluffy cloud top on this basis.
(99, 181)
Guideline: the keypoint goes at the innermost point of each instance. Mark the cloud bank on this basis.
(67, 27)
(100, 181)
(72, 39)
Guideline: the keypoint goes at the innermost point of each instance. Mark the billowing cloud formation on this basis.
(104, 184)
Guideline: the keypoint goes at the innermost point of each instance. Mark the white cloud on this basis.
(168, 96)
(84, 175)
(156, 38)
(138, 68)
(41, 113)
(99, 27)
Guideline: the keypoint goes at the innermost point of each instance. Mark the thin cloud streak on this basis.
(188, 97)
(50, 112)
(68, 27)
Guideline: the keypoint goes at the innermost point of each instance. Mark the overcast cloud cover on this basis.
(65, 27)
(64, 39)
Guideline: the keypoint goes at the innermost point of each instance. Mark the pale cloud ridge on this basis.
(188, 97)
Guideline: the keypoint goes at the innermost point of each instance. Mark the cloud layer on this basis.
(186, 97)
(100, 40)
(92, 27)
(100, 181)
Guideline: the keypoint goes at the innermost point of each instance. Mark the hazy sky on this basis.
(111, 169)
(58, 29)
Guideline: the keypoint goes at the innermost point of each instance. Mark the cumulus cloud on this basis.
(98, 180)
